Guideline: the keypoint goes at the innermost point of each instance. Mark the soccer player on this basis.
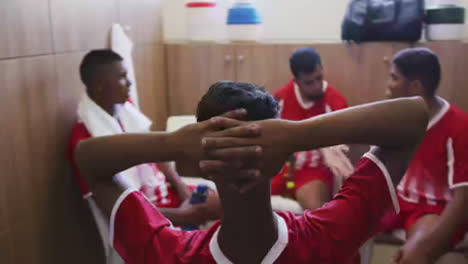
(242, 157)
(434, 191)
(105, 110)
(307, 176)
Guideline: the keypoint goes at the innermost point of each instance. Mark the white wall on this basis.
(284, 20)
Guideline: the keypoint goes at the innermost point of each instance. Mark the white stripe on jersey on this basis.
(430, 194)
(450, 162)
(413, 191)
(300, 160)
(402, 184)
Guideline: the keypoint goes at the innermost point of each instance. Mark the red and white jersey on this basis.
(153, 182)
(441, 161)
(292, 107)
(309, 164)
(331, 234)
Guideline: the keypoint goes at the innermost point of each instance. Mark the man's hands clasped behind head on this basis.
(246, 153)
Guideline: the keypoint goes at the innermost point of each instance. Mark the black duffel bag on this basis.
(383, 20)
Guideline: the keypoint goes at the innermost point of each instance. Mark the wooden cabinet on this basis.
(192, 68)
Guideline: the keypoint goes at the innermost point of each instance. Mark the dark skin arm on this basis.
(99, 159)
(393, 125)
(396, 126)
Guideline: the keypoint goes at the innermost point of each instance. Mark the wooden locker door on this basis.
(257, 64)
(191, 69)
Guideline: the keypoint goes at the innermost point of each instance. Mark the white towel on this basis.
(123, 45)
(99, 123)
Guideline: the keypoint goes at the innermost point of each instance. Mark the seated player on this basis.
(105, 110)
(242, 157)
(433, 194)
(310, 176)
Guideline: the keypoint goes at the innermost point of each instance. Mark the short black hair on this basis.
(420, 64)
(93, 60)
(304, 60)
(225, 96)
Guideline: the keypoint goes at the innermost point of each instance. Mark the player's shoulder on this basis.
(372, 163)
(332, 90)
(79, 132)
(458, 120)
(285, 90)
(334, 95)
(459, 115)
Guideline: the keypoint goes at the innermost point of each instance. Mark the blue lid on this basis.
(243, 13)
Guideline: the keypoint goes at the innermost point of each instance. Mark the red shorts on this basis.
(301, 177)
(410, 213)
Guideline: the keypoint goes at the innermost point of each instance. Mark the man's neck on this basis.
(434, 105)
(107, 106)
(249, 229)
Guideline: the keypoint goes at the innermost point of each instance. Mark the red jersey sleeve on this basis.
(133, 223)
(336, 100)
(79, 132)
(280, 93)
(457, 158)
(354, 214)
(143, 235)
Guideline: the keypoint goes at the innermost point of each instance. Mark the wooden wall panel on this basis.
(70, 89)
(25, 28)
(460, 93)
(281, 73)
(72, 218)
(26, 243)
(448, 56)
(43, 218)
(192, 69)
(255, 64)
(82, 24)
(4, 225)
(151, 83)
(6, 249)
(358, 71)
(27, 83)
(144, 18)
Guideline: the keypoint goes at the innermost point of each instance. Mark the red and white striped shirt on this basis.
(441, 161)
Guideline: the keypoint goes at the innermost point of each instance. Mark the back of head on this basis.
(226, 96)
(304, 60)
(420, 64)
(91, 63)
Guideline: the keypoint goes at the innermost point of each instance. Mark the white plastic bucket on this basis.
(444, 31)
(204, 21)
